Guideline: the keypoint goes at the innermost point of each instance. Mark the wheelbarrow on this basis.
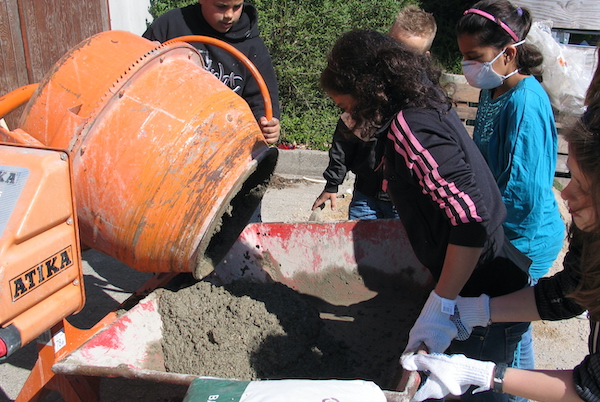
(366, 283)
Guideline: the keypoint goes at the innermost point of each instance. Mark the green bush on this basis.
(299, 34)
(159, 7)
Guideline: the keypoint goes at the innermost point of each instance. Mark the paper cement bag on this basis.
(221, 390)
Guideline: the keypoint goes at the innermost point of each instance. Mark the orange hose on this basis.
(16, 98)
(242, 57)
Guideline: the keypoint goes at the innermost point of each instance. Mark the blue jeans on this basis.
(524, 356)
(495, 343)
(363, 207)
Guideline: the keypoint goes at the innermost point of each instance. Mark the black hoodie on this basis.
(243, 35)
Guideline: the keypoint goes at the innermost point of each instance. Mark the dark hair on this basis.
(584, 147)
(592, 96)
(490, 33)
(382, 76)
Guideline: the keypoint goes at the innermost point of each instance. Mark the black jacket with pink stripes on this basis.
(445, 194)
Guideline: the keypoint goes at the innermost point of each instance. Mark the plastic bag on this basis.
(564, 74)
(213, 389)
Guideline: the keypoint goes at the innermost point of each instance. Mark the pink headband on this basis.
(494, 19)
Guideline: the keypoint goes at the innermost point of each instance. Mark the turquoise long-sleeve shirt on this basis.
(517, 135)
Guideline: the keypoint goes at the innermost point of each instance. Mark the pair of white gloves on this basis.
(442, 320)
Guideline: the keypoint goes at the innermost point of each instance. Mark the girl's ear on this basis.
(510, 54)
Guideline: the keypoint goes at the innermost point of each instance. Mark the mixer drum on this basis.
(169, 163)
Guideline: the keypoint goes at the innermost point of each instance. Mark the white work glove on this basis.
(433, 327)
(471, 312)
(449, 374)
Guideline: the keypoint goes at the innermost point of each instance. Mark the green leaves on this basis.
(447, 13)
(299, 35)
(159, 7)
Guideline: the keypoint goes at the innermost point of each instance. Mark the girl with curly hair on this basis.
(438, 180)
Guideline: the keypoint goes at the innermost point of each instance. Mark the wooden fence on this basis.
(34, 34)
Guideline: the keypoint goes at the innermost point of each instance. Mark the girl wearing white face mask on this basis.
(515, 131)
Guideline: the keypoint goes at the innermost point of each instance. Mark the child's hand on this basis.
(324, 197)
(270, 129)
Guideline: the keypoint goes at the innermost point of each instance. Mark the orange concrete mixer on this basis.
(129, 147)
(169, 163)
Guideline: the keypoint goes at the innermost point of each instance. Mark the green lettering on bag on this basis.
(215, 390)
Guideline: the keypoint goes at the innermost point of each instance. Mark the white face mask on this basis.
(482, 75)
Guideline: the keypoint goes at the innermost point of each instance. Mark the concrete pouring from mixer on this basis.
(139, 154)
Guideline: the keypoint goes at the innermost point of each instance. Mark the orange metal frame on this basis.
(16, 98)
(42, 380)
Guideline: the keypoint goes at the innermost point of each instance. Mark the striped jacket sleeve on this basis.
(439, 164)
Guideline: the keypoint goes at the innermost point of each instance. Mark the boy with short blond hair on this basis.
(414, 28)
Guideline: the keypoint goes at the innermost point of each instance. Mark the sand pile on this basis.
(247, 331)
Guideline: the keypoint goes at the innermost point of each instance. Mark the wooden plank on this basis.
(12, 56)
(462, 92)
(464, 96)
(573, 14)
(466, 112)
(456, 87)
(53, 27)
(469, 129)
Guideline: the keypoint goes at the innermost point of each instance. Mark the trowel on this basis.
(315, 216)
(406, 383)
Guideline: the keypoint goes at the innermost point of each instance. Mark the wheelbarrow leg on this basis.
(42, 379)
(71, 388)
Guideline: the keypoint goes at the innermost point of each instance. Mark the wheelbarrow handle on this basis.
(16, 98)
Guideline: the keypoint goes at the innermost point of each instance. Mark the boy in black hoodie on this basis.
(236, 23)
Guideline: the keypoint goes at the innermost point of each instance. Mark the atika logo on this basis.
(42, 272)
(8, 177)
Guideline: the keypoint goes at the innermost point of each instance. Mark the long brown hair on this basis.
(592, 96)
(584, 147)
